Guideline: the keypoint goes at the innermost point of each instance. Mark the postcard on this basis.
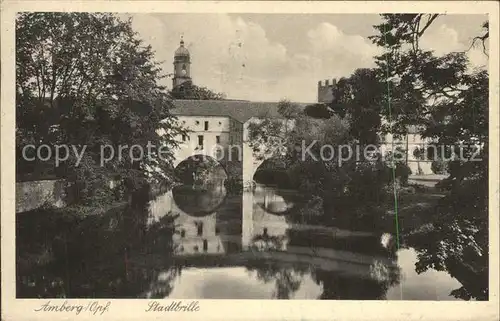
(250, 160)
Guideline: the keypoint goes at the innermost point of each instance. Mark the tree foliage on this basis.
(362, 98)
(445, 100)
(318, 111)
(449, 103)
(315, 153)
(416, 79)
(85, 79)
(189, 90)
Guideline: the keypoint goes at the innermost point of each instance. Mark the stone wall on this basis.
(35, 194)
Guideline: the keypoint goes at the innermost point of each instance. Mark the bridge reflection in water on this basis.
(249, 248)
(224, 246)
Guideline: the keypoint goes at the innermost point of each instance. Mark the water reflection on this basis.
(430, 285)
(246, 248)
(235, 283)
(274, 200)
(203, 189)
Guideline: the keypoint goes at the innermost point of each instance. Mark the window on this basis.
(200, 140)
(265, 231)
(206, 125)
(183, 233)
(431, 153)
(197, 122)
(199, 229)
(195, 248)
(235, 155)
(205, 245)
(217, 139)
(184, 138)
(217, 230)
(218, 153)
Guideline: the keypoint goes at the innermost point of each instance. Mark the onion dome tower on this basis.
(182, 64)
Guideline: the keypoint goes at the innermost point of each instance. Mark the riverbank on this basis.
(416, 209)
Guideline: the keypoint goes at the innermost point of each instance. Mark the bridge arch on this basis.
(202, 190)
(274, 190)
(200, 162)
(186, 152)
(272, 171)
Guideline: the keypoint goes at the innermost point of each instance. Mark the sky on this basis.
(269, 57)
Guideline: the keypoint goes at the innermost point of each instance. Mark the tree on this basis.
(361, 98)
(191, 91)
(318, 111)
(269, 137)
(286, 279)
(320, 154)
(483, 38)
(449, 104)
(416, 79)
(85, 79)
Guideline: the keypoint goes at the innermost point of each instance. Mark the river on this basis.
(220, 247)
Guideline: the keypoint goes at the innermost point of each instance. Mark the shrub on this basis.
(234, 185)
(439, 167)
(403, 171)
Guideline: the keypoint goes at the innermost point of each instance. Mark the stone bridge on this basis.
(238, 159)
(243, 164)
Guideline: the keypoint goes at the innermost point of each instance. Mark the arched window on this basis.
(431, 153)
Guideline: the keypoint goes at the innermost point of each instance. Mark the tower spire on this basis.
(182, 61)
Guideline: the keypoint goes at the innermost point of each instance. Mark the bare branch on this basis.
(483, 39)
(428, 24)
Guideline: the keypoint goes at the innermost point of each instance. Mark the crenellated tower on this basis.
(325, 91)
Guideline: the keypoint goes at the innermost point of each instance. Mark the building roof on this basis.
(240, 110)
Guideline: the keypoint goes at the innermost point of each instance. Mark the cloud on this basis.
(236, 56)
(228, 54)
(443, 39)
(328, 42)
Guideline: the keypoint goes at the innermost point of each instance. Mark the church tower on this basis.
(182, 64)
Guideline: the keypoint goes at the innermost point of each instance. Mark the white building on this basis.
(410, 142)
